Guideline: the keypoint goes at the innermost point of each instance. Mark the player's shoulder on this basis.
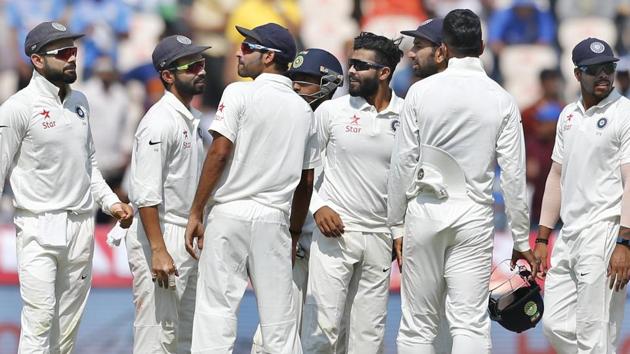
(338, 104)
(243, 88)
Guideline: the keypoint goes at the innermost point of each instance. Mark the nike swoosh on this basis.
(385, 270)
(154, 142)
(583, 274)
(4, 126)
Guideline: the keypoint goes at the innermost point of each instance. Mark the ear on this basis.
(439, 56)
(38, 61)
(578, 74)
(268, 57)
(386, 73)
(167, 76)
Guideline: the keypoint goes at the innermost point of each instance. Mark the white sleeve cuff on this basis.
(522, 244)
(397, 231)
(108, 202)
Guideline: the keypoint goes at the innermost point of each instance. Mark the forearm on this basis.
(150, 217)
(301, 201)
(550, 209)
(212, 170)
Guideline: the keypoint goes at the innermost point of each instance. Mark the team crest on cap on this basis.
(395, 124)
(597, 47)
(183, 40)
(80, 112)
(299, 60)
(601, 123)
(58, 26)
(530, 308)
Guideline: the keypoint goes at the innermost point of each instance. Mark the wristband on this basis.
(623, 241)
(542, 240)
(293, 232)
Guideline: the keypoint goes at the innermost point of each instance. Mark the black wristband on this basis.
(623, 241)
(542, 240)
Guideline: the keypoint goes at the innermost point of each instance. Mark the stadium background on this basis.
(528, 44)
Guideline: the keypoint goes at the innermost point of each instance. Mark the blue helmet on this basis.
(322, 64)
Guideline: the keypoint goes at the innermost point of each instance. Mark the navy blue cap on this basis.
(592, 51)
(172, 48)
(272, 35)
(430, 30)
(316, 62)
(45, 33)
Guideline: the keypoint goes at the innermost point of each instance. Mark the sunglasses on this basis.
(248, 48)
(360, 65)
(191, 68)
(593, 70)
(62, 53)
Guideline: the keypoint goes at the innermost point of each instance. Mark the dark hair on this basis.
(462, 33)
(547, 74)
(281, 64)
(387, 51)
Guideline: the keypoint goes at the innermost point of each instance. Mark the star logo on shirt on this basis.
(355, 120)
(569, 117)
(221, 106)
(45, 113)
(185, 134)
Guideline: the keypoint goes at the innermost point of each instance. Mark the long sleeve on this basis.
(13, 127)
(101, 192)
(404, 162)
(511, 158)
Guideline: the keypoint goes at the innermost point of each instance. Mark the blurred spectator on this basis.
(623, 76)
(207, 20)
(521, 23)
(539, 149)
(105, 23)
(389, 17)
(552, 86)
(439, 8)
(111, 124)
(22, 16)
(582, 8)
(252, 13)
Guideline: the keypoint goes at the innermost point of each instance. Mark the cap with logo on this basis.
(172, 48)
(44, 33)
(592, 51)
(430, 30)
(272, 35)
(316, 62)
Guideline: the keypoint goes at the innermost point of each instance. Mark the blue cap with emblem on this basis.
(592, 51)
(45, 33)
(272, 35)
(430, 30)
(172, 48)
(321, 64)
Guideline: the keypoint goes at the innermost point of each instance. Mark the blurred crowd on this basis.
(528, 46)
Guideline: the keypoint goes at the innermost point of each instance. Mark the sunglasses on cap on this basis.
(191, 68)
(248, 48)
(595, 69)
(360, 65)
(64, 53)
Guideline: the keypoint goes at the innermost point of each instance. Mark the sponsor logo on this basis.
(154, 142)
(354, 126)
(395, 124)
(45, 113)
(80, 112)
(601, 123)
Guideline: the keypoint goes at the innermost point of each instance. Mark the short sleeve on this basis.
(311, 150)
(229, 112)
(624, 140)
(558, 147)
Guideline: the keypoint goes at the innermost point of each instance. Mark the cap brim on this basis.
(248, 33)
(598, 60)
(419, 33)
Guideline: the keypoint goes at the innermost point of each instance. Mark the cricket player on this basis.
(351, 251)
(588, 186)
(316, 74)
(454, 125)
(165, 167)
(46, 150)
(259, 172)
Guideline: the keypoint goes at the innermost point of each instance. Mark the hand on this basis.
(534, 262)
(194, 229)
(619, 267)
(162, 266)
(329, 222)
(123, 213)
(398, 247)
(540, 252)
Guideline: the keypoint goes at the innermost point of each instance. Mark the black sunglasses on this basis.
(360, 65)
(595, 69)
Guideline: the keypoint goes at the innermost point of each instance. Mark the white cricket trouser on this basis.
(54, 282)
(348, 286)
(163, 322)
(582, 315)
(447, 260)
(245, 238)
(300, 280)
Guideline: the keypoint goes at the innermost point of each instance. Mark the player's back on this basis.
(270, 126)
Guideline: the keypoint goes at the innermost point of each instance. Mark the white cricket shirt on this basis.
(166, 159)
(591, 146)
(465, 113)
(274, 136)
(357, 141)
(47, 150)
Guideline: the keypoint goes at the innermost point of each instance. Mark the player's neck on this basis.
(184, 99)
(589, 101)
(381, 99)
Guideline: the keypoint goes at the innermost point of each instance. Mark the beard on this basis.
(366, 88)
(192, 87)
(423, 71)
(64, 75)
